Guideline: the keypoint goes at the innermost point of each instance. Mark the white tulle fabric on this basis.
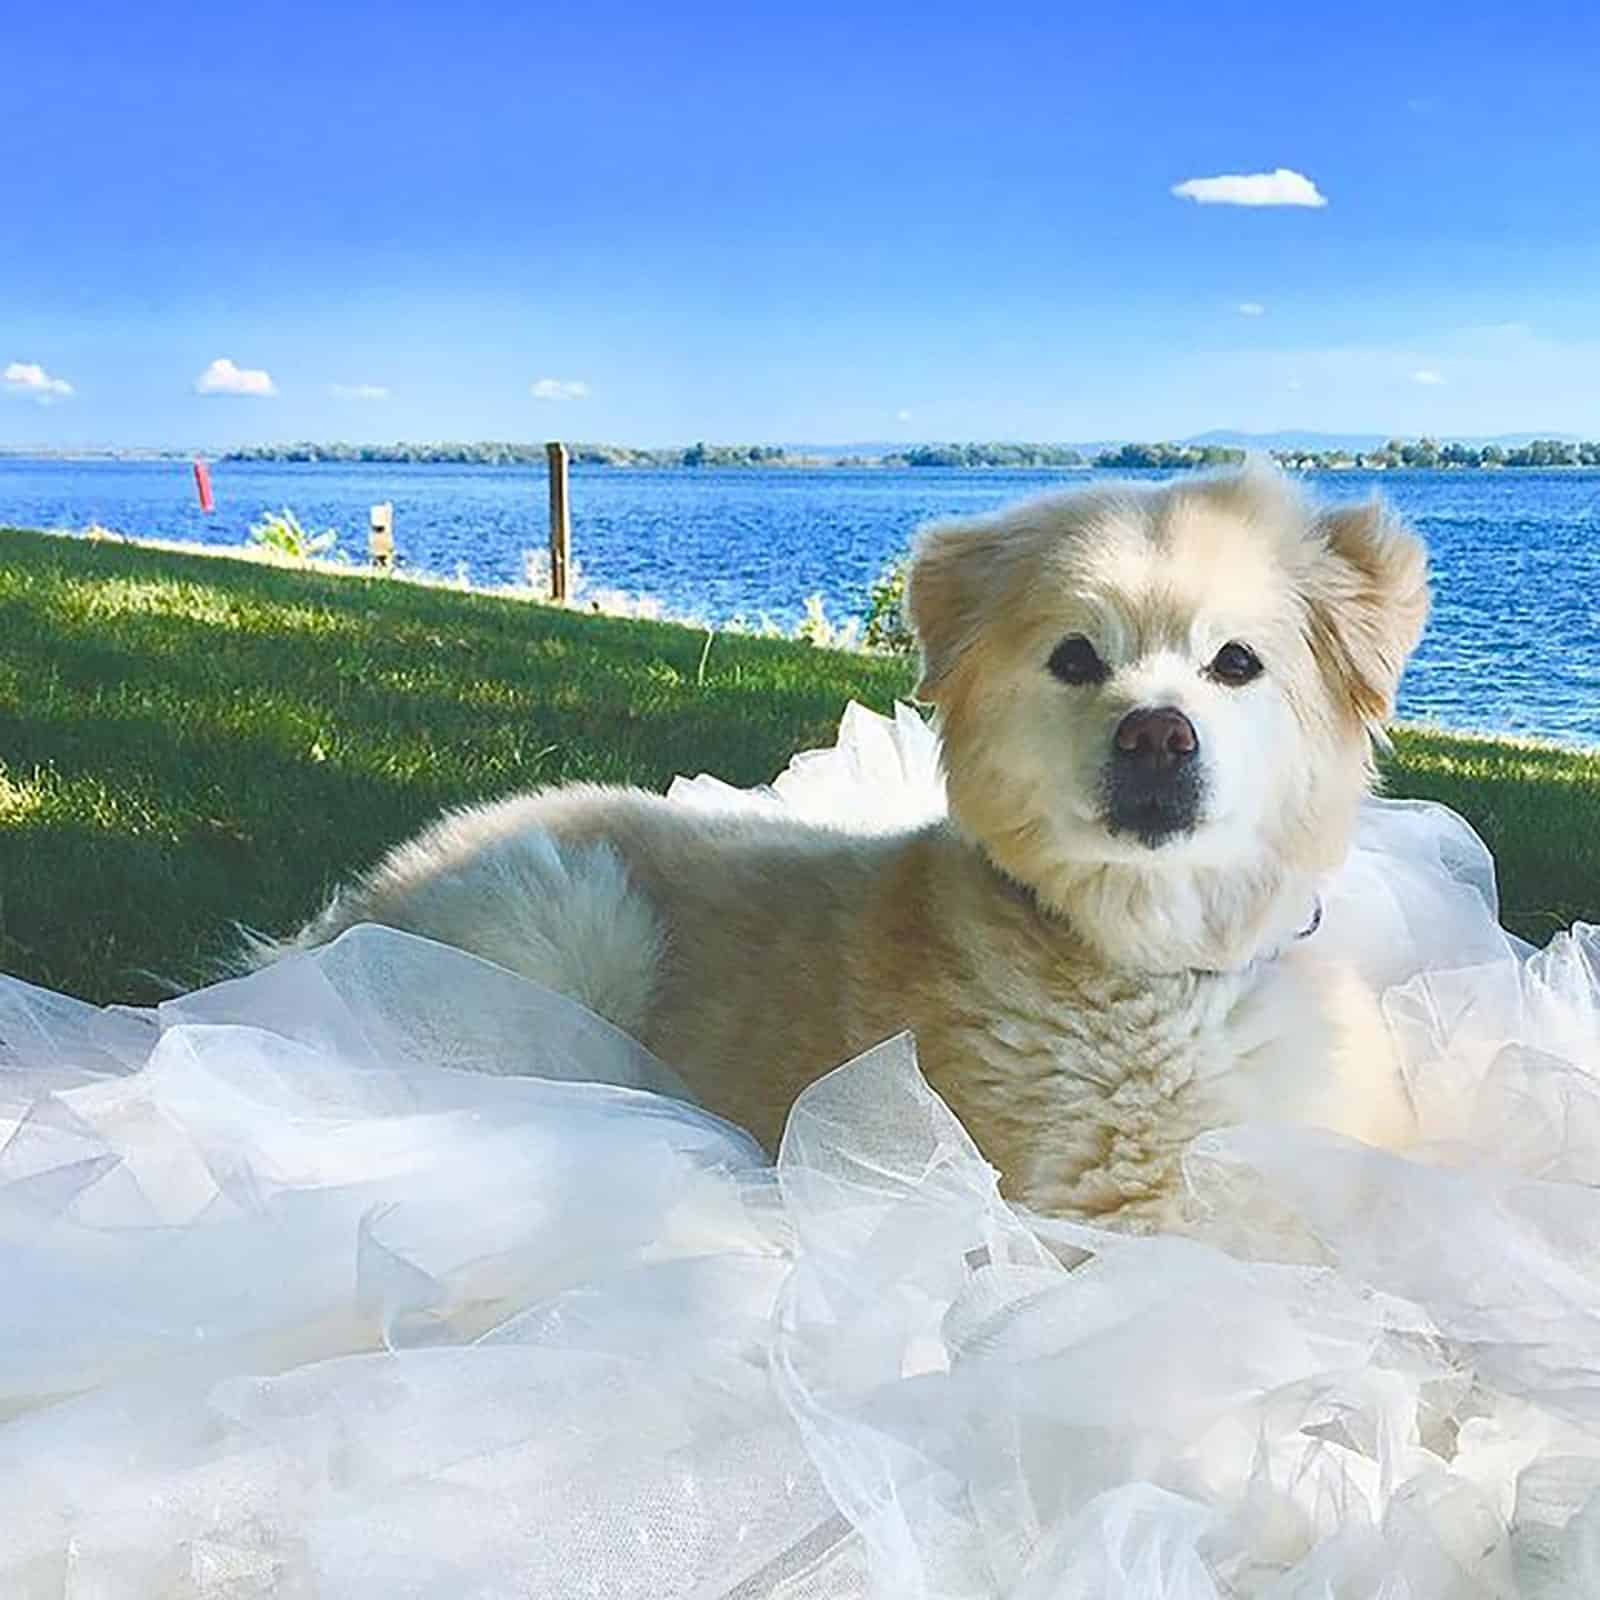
(385, 1274)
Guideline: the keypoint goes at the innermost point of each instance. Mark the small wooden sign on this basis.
(380, 535)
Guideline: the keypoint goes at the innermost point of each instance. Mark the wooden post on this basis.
(560, 521)
(380, 536)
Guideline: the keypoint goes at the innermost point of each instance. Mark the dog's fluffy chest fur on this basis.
(1083, 1083)
(1085, 1089)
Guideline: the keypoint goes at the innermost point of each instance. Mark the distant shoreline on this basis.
(1421, 455)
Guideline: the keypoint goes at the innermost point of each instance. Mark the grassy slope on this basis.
(184, 741)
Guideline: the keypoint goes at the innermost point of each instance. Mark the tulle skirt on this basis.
(383, 1273)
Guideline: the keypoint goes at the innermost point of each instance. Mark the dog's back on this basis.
(710, 937)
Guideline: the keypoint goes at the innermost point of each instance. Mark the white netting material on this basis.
(384, 1273)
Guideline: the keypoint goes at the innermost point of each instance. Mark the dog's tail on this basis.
(565, 915)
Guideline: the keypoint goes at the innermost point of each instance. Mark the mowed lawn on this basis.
(186, 742)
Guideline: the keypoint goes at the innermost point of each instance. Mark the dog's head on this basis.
(1158, 703)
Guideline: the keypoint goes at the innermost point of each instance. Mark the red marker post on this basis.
(202, 483)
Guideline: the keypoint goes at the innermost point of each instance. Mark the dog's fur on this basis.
(1087, 998)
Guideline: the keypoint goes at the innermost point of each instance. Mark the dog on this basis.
(1158, 706)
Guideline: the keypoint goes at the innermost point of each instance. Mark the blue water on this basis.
(1514, 645)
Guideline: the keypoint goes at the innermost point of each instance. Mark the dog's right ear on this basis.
(954, 571)
(1367, 604)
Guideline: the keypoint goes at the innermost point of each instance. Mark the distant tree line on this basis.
(1397, 453)
(1424, 454)
(503, 453)
(1130, 457)
(484, 453)
(506, 453)
(1429, 453)
(984, 455)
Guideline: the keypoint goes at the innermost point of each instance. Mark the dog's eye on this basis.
(1075, 660)
(1235, 663)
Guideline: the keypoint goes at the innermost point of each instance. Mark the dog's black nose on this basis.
(1156, 741)
(1154, 787)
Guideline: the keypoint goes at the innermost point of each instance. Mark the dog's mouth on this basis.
(1154, 813)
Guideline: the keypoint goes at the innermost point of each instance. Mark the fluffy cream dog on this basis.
(1157, 705)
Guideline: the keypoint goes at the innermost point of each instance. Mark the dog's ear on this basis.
(1367, 604)
(955, 570)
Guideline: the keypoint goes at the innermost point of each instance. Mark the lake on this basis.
(1514, 645)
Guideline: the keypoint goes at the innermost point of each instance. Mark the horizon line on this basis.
(1208, 436)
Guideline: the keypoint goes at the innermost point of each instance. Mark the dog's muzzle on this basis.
(1153, 783)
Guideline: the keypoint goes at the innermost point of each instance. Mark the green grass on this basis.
(185, 742)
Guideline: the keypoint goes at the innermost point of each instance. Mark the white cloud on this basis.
(358, 391)
(223, 377)
(28, 377)
(559, 389)
(1252, 308)
(902, 416)
(1280, 187)
(1426, 375)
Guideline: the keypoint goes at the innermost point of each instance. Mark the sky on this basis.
(656, 224)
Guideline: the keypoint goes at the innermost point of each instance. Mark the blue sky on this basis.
(656, 224)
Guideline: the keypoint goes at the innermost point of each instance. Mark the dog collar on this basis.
(1267, 956)
(1025, 893)
(1272, 955)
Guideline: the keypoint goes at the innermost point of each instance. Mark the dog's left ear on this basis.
(1367, 604)
(955, 570)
